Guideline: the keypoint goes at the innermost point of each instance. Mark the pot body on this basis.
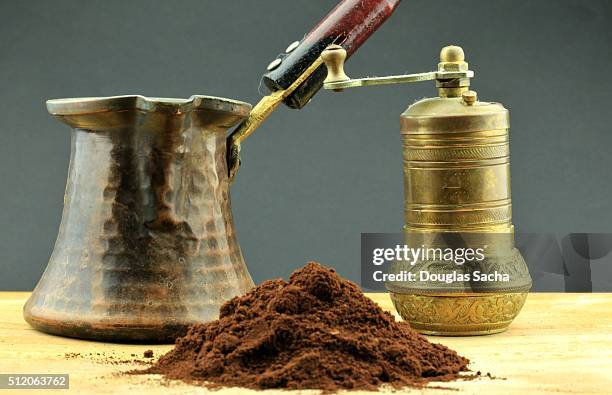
(457, 194)
(147, 244)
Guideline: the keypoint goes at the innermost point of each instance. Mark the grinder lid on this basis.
(454, 114)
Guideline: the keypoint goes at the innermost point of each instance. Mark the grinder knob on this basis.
(452, 53)
(334, 56)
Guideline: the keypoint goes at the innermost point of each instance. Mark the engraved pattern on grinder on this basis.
(147, 244)
(473, 315)
(413, 153)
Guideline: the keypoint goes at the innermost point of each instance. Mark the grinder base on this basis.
(459, 314)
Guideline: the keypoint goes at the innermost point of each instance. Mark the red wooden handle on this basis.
(349, 24)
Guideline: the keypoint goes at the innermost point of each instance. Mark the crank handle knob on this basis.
(334, 56)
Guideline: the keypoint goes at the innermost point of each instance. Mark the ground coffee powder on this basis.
(317, 331)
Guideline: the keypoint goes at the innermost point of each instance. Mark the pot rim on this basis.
(91, 105)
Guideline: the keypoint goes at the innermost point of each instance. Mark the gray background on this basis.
(314, 179)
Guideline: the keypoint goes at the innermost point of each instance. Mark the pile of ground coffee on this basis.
(317, 331)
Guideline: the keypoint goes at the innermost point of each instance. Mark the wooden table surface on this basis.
(560, 343)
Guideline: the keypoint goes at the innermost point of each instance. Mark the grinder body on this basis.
(457, 183)
(457, 198)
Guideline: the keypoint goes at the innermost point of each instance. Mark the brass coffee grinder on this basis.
(457, 183)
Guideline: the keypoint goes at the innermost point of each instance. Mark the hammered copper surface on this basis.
(147, 244)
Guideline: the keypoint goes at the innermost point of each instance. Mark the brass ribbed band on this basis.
(459, 153)
(457, 164)
(454, 124)
(435, 217)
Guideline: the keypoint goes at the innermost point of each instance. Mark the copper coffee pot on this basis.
(147, 243)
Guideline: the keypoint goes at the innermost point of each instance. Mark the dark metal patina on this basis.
(147, 244)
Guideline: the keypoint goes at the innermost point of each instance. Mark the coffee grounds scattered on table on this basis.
(316, 331)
